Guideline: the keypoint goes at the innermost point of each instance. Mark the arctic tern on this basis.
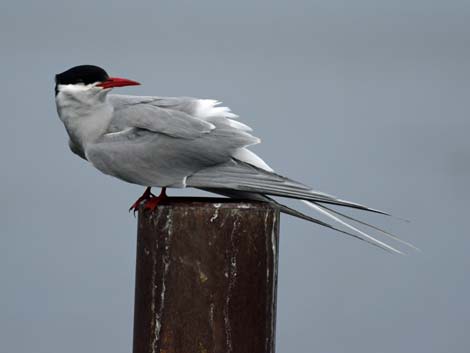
(180, 142)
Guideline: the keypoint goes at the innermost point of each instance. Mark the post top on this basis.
(212, 203)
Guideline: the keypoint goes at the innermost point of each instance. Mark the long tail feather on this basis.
(292, 212)
(365, 235)
(259, 196)
(386, 233)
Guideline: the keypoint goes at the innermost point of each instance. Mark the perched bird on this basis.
(179, 142)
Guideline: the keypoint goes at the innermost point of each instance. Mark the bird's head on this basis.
(88, 80)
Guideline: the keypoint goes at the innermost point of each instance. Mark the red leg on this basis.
(153, 202)
(147, 195)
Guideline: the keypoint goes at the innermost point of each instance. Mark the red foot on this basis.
(153, 202)
(147, 195)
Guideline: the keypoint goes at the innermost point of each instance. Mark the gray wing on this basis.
(161, 141)
(193, 142)
(241, 176)
(156, 115)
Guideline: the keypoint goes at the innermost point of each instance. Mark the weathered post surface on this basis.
(206, 277)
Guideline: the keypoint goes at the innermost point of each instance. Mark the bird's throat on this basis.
(84, 123)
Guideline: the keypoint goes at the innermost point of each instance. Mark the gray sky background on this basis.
(367, 100)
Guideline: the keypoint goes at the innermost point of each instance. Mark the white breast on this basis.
(85, 113)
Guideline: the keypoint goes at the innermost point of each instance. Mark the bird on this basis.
(179, 142)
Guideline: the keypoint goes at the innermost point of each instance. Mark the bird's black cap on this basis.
(85, 74)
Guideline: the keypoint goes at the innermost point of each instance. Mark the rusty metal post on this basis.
(206, 277)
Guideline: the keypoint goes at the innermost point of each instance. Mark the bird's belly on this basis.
(137, 163)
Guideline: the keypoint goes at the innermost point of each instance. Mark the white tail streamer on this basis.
(339, 220)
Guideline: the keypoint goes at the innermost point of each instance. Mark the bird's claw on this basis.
(151, 201)
(147, 195)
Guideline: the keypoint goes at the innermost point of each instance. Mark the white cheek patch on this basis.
(77, 87)
(78, 97)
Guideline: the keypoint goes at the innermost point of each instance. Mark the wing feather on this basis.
(143, 115)
(242, 176)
